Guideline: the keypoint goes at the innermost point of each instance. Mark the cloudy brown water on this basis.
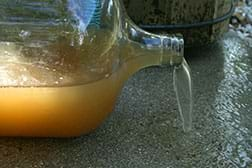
(41, 98)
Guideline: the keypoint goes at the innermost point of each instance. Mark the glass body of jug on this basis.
(63, 63)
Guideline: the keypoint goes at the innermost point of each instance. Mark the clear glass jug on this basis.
(63, 63)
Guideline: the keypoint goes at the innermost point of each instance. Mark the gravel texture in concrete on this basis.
(145, 129)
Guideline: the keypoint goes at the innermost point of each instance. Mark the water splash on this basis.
(183, 87)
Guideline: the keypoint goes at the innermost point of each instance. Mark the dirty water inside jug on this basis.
(55, 90)
(76, 99)
(40, 96)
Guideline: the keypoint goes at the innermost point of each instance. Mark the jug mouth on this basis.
(173, 50)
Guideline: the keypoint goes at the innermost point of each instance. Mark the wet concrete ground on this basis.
(145, 128)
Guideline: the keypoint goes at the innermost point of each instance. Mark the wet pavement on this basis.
(145, 129)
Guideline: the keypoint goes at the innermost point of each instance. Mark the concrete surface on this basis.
(145, 128)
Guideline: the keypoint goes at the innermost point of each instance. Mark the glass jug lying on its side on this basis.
(63, 63)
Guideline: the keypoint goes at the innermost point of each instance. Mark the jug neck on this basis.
(168, 50)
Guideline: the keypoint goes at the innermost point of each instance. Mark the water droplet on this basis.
(24, 34)
(92, 70)
(72, 42)
(81, 38)
(62, 61)
(24, 79)
(107, 75)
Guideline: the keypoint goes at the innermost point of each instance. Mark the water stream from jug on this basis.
(183, 87)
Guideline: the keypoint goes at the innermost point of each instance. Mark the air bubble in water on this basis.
(24, 34)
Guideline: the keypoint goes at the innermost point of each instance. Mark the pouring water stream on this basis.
(183, 88)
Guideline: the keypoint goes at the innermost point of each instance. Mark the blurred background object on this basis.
(241, 21)
(200, 22)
